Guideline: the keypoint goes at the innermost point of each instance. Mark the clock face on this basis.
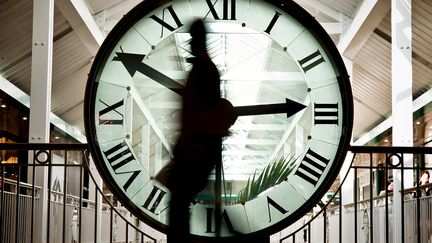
(279, 69)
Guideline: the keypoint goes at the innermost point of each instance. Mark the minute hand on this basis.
(133, 63)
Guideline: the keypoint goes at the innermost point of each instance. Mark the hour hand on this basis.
(133, 63)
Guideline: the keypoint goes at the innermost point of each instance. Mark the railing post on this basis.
(355, 205)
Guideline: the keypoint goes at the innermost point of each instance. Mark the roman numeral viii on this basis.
(226, 14)
(118, 156)
(312, 167)
(110, 115)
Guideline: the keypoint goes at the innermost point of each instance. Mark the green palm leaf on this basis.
(273, 174)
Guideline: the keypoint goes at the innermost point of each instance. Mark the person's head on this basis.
(424, 177)
(198, 42)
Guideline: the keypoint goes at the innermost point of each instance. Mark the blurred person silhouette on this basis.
(206, 118)
(423, 181)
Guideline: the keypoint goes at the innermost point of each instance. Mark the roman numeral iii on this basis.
(326, 113)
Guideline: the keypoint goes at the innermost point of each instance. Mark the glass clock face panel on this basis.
(270, 54)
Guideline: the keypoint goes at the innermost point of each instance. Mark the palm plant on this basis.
(273, 174)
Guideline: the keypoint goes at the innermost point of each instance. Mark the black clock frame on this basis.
(291, 8)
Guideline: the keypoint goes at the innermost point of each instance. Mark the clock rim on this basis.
(292, 9)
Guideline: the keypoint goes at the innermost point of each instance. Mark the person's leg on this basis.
(178, 229)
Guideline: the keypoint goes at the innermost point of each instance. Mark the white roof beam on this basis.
(288, 131)
(418, 103)
(232, 76)
(81, 20)
(246, 152)
(246, 126)
(319, 6)
(368, 17)
(334, 28)
(24, 99)
(262, 76)
(255, 127)
(107, 18)
(146, 112)
(249, 141)
(121, 8)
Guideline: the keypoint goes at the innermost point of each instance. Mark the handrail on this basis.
(22, 184)
(86, 167)
(83, 166)
(44, 146)
(390, 150)
(366, 150)
(390, 193)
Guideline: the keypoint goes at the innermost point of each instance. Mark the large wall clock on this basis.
(280, 70)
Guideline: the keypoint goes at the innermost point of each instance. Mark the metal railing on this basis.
(70, 215)
(74, 216)
(370, 219)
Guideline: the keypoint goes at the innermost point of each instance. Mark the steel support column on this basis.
(40, 100)
(402, 133)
